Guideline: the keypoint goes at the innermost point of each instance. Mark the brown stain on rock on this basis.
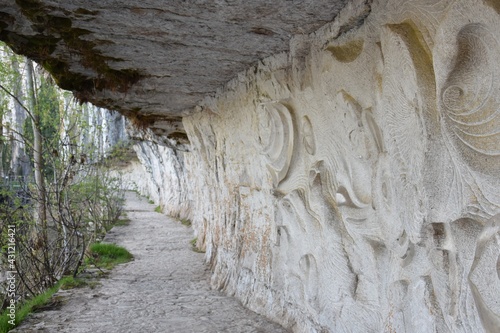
(347, 52)
(495, 4)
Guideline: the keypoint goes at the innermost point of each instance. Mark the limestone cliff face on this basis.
(164, 179)
(352, 184)
(109, 130)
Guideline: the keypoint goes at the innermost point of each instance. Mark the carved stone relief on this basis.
(379, 185)
(308, 136)
(276, 136)
(470, 99)
(484, 275)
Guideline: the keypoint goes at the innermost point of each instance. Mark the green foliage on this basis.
(14, 211)
(121, 154)
(193, 243)
(47, 108)
(106, 255)
(75, 202)
(122, 222)
(41, 301)
(9, 69)
(11, 79)
(47, 111)
(22, 310)
(70, 282)
(186, 222)
(158, 209)
(79, 200)
(99, 198)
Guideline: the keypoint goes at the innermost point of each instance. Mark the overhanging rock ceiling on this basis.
(154, 58)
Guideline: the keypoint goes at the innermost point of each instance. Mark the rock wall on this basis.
(352, 185)
(161, 176)
(108, 129)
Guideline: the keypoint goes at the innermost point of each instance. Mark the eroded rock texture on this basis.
(357, 179)
(165, 182)
(353, 183)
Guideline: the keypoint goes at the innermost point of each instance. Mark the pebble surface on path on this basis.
(165, 289)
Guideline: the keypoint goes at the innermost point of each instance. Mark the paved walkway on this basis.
(165, 289)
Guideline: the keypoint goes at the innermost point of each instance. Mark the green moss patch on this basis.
(105, 255)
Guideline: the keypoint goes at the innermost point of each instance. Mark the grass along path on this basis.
(102, 256)
(165, 289)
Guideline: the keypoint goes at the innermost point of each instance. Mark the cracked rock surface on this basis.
(165, 288)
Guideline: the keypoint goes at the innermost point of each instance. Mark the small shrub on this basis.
(158, 209)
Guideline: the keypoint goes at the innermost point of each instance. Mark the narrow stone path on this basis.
(165, 289)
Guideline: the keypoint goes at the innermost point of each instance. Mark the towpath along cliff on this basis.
(165, 288)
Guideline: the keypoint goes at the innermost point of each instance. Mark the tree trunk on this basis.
(37, 148)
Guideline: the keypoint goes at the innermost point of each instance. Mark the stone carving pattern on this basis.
(470, 98)
(308, 136)
(356, 200)
(378, 190)
(276, 135)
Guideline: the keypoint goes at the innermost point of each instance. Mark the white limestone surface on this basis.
(353, 184)
(350, 186)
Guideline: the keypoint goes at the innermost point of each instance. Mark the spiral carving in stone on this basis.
(470, 98)
(276, 133)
